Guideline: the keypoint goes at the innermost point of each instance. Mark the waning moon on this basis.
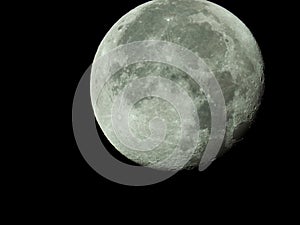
(215, 35)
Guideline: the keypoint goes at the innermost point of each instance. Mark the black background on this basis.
(255, 170)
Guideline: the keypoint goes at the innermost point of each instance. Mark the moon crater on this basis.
(212, 33)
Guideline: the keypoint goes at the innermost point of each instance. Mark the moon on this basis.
(212, 33)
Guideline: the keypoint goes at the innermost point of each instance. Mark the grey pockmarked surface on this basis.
(174, 83)
(161, 88)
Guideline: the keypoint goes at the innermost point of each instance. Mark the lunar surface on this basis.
(215, 35)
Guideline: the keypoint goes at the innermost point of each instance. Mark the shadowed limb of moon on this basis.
(94, 152)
